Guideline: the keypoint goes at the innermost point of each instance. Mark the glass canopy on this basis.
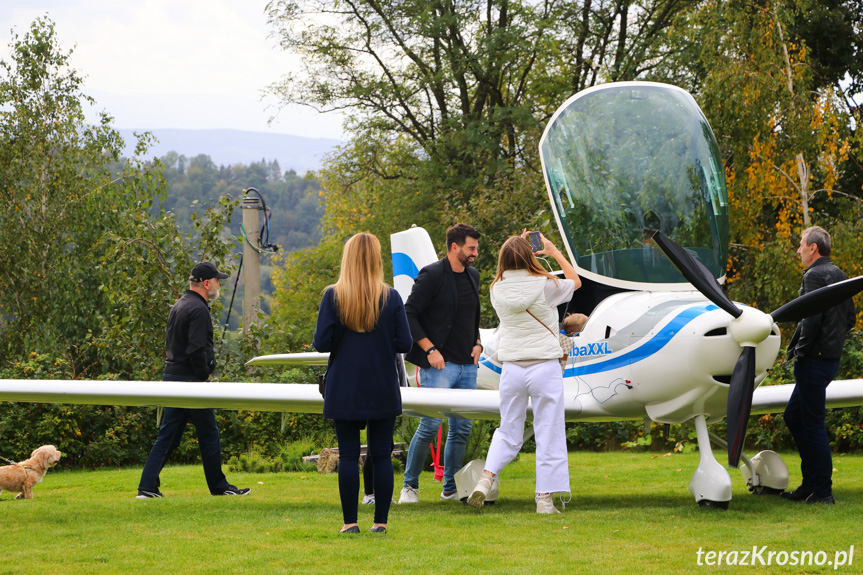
(623, 160)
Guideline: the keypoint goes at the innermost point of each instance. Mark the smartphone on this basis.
(535, 241)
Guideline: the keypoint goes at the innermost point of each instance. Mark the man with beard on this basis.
(190, 357)
(443, 313)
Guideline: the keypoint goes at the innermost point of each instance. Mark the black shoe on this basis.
(148, 494)
(378, 529)
(828, 500)
(235, 491)
(797, 495)
(351, 529)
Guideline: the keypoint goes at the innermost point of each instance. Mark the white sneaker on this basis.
(545, 504)
(409, 495)
(451, 497)
(369, 499)
(480, 492)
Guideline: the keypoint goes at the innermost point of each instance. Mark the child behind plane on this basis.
(574, 323)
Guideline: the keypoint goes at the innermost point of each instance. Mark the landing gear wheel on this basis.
(707, 503)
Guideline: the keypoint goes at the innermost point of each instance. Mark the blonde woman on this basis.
(362, 323)
(525, 298)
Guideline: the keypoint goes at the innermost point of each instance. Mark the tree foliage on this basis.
(447, 102)
(88, 274)
(195, 182)
(786, 134)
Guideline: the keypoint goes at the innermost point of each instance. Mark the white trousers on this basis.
(542, 385)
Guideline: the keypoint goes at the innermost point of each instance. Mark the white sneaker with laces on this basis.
(369, 499)
(409, 495)
(480, 492)
(545, 504)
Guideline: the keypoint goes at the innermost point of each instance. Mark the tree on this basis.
(784, 131)
(57, 196)
(458, 90)
(87, 274)
(447, 101)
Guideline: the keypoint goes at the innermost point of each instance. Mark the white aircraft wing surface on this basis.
(840, 393)
(304, 398)
(293, 397)
(295, 359)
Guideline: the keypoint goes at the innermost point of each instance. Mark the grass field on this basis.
(630, 513)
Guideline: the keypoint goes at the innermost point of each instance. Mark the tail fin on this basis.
(412, 250)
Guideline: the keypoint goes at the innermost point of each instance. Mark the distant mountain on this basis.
(228, 147)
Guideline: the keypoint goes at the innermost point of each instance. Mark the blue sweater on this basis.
(362, 382)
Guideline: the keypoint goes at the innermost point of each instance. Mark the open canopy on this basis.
(624, 160)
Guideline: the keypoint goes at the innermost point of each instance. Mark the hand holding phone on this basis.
(535, 241)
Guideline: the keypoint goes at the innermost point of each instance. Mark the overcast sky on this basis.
(195, 64)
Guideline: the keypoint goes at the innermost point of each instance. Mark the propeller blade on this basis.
(819, 300)
(694, 271)
(740, 403)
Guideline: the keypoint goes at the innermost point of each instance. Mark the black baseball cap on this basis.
(206, 271)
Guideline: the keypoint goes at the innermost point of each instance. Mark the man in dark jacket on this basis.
(816, 348)
(443, 313)
(190, 356)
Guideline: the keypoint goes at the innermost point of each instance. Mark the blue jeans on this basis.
(174, 421)
(379, 436)
(804, 416)
(452, 376)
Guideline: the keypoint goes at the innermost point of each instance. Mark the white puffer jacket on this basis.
(521, 336)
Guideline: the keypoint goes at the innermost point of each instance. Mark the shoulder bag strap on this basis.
(540, 322)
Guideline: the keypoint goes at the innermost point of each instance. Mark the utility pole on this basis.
(252, 261)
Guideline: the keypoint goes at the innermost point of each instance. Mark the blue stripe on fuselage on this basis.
(403, 265)
(647, 349)
(650, 347)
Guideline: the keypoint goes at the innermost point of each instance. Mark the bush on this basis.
(291, 454)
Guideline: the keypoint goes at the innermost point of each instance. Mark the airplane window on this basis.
(622, 162)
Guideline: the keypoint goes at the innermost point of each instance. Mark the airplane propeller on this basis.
(749, 327)
(817, 301)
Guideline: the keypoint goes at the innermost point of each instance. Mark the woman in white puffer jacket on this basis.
(525, 298)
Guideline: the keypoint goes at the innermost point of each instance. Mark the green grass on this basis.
(630, 513)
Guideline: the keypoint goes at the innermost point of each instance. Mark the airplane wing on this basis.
(840, 393)
(305, 398)
(293, 359)
(295, 397)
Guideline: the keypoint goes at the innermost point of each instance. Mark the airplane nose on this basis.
(751, 328)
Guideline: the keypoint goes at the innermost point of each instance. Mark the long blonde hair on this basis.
(360, 291)
(516, 254)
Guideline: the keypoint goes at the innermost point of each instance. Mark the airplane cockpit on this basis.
(622, 161)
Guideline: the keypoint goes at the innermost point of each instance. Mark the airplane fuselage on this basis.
(663, 355)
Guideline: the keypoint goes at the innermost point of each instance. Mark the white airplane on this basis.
(624, 164)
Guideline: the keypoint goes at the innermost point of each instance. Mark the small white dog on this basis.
(21, 478)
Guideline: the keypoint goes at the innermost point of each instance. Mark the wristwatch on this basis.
(430, 350)
(481, 348)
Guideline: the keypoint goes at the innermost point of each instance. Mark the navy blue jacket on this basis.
(362, 382)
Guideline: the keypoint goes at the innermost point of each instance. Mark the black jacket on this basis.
(189, 339)
(822, 335)
(432, 306)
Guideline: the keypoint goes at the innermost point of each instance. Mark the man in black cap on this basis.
(190, 357)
